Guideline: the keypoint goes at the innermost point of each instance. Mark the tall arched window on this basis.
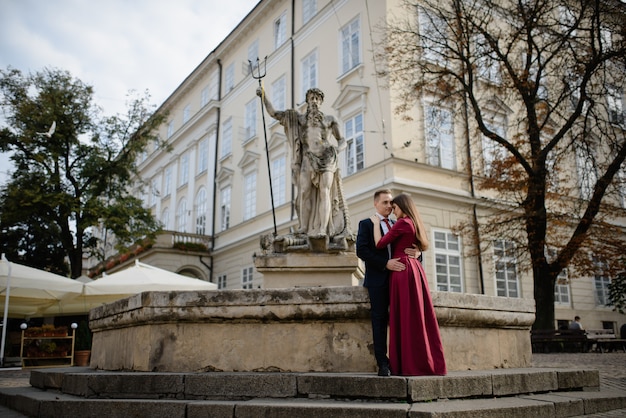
(165, 218)
(225, 195)
(181, 216)
(201, 208)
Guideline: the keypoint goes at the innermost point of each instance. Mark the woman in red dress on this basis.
(415, 347)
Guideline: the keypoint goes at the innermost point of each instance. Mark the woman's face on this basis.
(398, 212)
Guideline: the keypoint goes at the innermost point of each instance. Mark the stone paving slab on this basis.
(568, 404)
(460, 384)
(532, 380)
(619, 413)
(240, 385)
(289, 408)
(51, 404)
(351, 385)
(52, 378)
(16, 398)
(563, 406)
(511, 407)
(10, 413)
(134, 385)
(595, 402)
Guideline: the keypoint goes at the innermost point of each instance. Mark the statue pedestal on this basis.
(315, 329)
(300, 269)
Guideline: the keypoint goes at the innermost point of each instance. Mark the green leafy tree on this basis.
(73, 168)
(31, 239)
(538, 87)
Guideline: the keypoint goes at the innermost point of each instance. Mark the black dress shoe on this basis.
(383, 370)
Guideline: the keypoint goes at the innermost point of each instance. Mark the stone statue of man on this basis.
(320, 206)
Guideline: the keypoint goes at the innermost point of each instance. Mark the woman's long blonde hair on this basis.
(406, 205)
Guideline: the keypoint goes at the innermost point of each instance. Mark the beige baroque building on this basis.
(214, 184)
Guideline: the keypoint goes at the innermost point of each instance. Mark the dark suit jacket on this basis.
(376, 274)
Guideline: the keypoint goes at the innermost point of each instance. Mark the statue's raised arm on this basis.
(268, 105)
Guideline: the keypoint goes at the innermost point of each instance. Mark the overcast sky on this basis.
(116, 45)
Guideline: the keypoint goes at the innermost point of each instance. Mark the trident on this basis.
(259, 76)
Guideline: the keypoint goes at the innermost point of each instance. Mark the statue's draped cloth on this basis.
(305, 162)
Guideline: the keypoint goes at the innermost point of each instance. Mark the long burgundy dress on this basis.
(415, 347)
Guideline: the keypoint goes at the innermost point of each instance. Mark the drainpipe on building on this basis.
(209, 267)
(217, 137)
(473, 193)
(293, 94)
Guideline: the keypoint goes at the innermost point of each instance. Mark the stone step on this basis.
(39, 403)
(89, 383)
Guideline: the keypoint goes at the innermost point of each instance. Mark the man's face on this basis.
(314, 101)
(383, 204)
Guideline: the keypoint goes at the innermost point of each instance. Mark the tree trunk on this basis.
(76, 263)
(544, 299)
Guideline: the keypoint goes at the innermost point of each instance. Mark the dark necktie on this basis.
(386, 221)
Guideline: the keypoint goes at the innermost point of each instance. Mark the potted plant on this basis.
(60, 331)
(47, 348)
(62, 350)
(82, 344)
(33, 332)
(47, 330)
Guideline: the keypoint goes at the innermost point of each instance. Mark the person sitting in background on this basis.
(575, 324)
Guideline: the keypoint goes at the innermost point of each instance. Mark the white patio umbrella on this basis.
(143, 278)
(84, 279)
(130, 281)
(77, 305)
(26, 290)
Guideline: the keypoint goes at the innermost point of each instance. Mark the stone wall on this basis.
(320, 329)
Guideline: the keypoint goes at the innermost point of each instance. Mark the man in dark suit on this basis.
(377, 268)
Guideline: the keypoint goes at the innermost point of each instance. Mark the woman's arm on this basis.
(396, 230)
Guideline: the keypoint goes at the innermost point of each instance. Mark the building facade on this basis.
(215, 181)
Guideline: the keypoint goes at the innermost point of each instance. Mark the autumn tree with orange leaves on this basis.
(540, 87)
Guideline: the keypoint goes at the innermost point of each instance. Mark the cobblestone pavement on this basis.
(612, 366)
(14, 377)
